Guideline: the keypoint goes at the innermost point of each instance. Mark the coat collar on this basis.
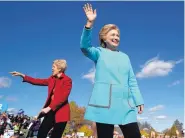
(61, 76)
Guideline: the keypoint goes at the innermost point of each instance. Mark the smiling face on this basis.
(109, 36)
(112, 38)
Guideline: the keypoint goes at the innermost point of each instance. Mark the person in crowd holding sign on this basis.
(115, 93)
(56, 111)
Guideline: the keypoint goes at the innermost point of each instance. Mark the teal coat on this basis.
(115, 93)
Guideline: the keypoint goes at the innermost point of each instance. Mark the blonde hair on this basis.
(103, 32)
(61, 64)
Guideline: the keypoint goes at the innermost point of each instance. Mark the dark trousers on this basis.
(129, 130)
(48, 123)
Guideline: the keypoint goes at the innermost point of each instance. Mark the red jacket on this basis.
(59, 104)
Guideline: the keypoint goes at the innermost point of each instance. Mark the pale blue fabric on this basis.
(115, 93)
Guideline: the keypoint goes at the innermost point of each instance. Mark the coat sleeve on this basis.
(86, 46)
(60, 98)
(133, 86)
(35, 81)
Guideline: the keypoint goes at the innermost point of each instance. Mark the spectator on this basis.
(16, 128)
(3, 124)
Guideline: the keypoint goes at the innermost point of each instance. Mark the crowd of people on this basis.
(22, 125)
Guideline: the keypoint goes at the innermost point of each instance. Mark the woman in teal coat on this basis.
(115, 93)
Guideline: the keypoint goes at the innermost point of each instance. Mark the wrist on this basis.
(89, 24)
(49, 108)
(90, 21)
(22, 75)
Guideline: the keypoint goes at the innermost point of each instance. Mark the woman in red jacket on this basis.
(56, 111)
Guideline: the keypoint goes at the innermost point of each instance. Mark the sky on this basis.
(33, 34)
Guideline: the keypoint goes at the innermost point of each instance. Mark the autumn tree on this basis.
(173, 131)
(86, 129)
(179, 126)
(143, 132)
(77, 116)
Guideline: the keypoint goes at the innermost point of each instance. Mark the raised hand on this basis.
(15, 73)
(91, 15)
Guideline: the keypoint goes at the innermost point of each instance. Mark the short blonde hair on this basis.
(103, 32)
(61, 64)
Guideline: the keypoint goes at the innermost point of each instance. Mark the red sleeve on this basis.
(36, 81)
(61, 98)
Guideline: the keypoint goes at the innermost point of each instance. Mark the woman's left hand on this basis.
(140, 109)
(46, 110)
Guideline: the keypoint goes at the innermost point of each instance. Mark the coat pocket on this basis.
(101, 95)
